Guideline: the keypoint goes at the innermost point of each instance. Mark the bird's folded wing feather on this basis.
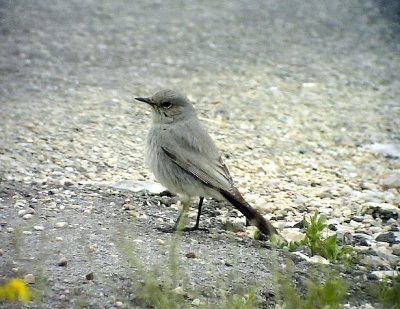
(193, 157)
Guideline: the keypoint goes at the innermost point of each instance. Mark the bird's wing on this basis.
(211, 175)
(195, 153)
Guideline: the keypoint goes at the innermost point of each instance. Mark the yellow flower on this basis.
(15, 289)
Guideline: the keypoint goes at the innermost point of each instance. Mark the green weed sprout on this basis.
(325, 247)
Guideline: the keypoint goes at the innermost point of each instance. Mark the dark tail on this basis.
(252, 215)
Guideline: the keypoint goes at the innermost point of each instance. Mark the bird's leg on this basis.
(180, 222)
(196, 227)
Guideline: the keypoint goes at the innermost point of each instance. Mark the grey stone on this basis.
(391, 180)
(387, 237)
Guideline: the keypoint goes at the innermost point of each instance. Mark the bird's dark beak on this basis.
(145, 100)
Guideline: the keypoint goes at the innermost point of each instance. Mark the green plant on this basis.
(154, 294)
(247, 301)
(151, 291)
(17, 239)
(328, 296)
(325, 247)
(388, 293)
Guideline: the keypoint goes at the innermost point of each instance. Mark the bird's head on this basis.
(169, 106)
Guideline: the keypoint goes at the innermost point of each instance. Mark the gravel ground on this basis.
(302, 98)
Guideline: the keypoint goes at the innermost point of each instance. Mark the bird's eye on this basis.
(166, 104)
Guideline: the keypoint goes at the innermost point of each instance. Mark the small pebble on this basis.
(347, 213)
(38, 227)
(190, 255)
(160, 241)
(61, 224)
(347, 238)
(375, 229)
(160, 220)
(89, 276)
(391, 180)
(373, 261)
(133, 213)
(387, 237)
(129, 206)
(228, 263)
(233, 226)
(179, 290)
(119, 304)
(29, 279)
(381, 274)
(20, 203)
(318, 259)
(67, 182)
(357, 218)
(27, 216)
(62, 261)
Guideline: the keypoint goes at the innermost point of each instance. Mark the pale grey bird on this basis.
(184, 159)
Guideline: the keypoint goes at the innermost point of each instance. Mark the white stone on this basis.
(375, 229)
(160, 241)
(61, 224)
(179, 290)
(381, 274)
(392, 150)
(319, 259)
(20, 203)
(27, 216)
(347, 212)
(29, 279)
(374, 261)
(356, 225)
(292, 234)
